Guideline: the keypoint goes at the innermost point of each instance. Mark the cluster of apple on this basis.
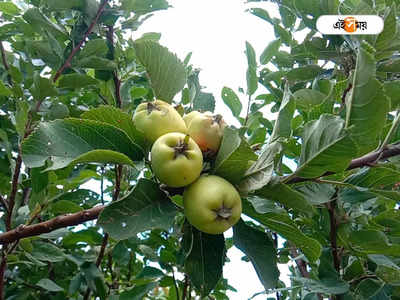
(211, 203)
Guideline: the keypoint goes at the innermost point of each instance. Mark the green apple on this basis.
(190, 116)
(157, 118)
(176, 159)
(212, 204)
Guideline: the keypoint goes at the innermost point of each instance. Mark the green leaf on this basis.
(76, 80)
(285, 227)
(204, 102)
(95, 62)
(47, 252)
(42, 88)
(206, 258)
(260, 249)
(233, 156)
(282, 127)
(4, 91)
(232, 101)
(49, 285)
(368, 105)
(325, 147)
(144, 6)
(262, 14)
(21, 117)
(389, 32)
(390, 66)
(392, 90)
(270, 51)
(40, 22)
(65, 207)
(167, 73)
(89, 236)
(306, 99)
(304, 73)
(145, 208)
(260, 173)
(94, 279)
(9, 8)
(317, 193)
(114, 116)
(138, 292)
(95, 47)
(78, 140)
(387, 270)
(65, 5)
(368, 288)
(373, 242)
(328, 286)
(284, 194)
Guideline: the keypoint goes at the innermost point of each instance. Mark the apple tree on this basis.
(88, 213)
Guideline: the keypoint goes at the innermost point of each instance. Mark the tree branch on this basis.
(366, 160)
(23, 231)
(333, 233)
(67, 62)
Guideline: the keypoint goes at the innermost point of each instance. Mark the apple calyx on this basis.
(182, 147)
(151, 107)
(217, 119)
(224, 213)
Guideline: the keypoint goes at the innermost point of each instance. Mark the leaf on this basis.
(325, 147)
(389, 32)
(368, 288)
(373, 242)
(282, 127)
(49, 285)
(42, 88)
(77, 140)
(284, 194)
(304, 73)
(114, 116)
(261, 13)
(76, 81)
(21, 117)
(4, 91)
(390, 66)
(144, 6)
(40, 22)
(327, 286)
(138, 292)
(94, 279)
(270, 51)
(65, 207)
(95, 62)
(392, 90)
(47, 252)
(9, 8)
(95, 47)
(368, 105)
(89, 236)
(306, 99)
(233, 156)
(260, 249)
(232, 101)
(260, 173)
(387, 270)
(145, 208)
(65, 5)
(167, 73)
(317, 193)
(204, 102)
(205, 261)
(285, 227)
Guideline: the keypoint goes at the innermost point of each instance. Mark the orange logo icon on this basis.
(350, 24)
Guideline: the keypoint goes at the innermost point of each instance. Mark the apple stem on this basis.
(224, 212)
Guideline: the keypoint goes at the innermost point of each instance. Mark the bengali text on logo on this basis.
(344, 24)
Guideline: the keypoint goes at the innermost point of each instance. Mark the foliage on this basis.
(319, 184)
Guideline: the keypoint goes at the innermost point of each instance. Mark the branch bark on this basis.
(363, 161)
(333, 233)
(23, 231)
(67, 62)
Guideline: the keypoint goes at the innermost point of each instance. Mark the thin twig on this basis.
(175, 284)
(3, 266)
(301, 264)
(4, 203)
(185, 287)
(395, 125)
(248, 111)
(117, 81)
(67, 62)
(333, 232)
(5, 63)
(14, 189)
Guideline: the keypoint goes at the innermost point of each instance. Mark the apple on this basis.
(157, 118)
(212, 204)
(176, 159)
(190, 116)
(207, 131)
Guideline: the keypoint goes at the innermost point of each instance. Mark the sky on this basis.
(216, 32)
